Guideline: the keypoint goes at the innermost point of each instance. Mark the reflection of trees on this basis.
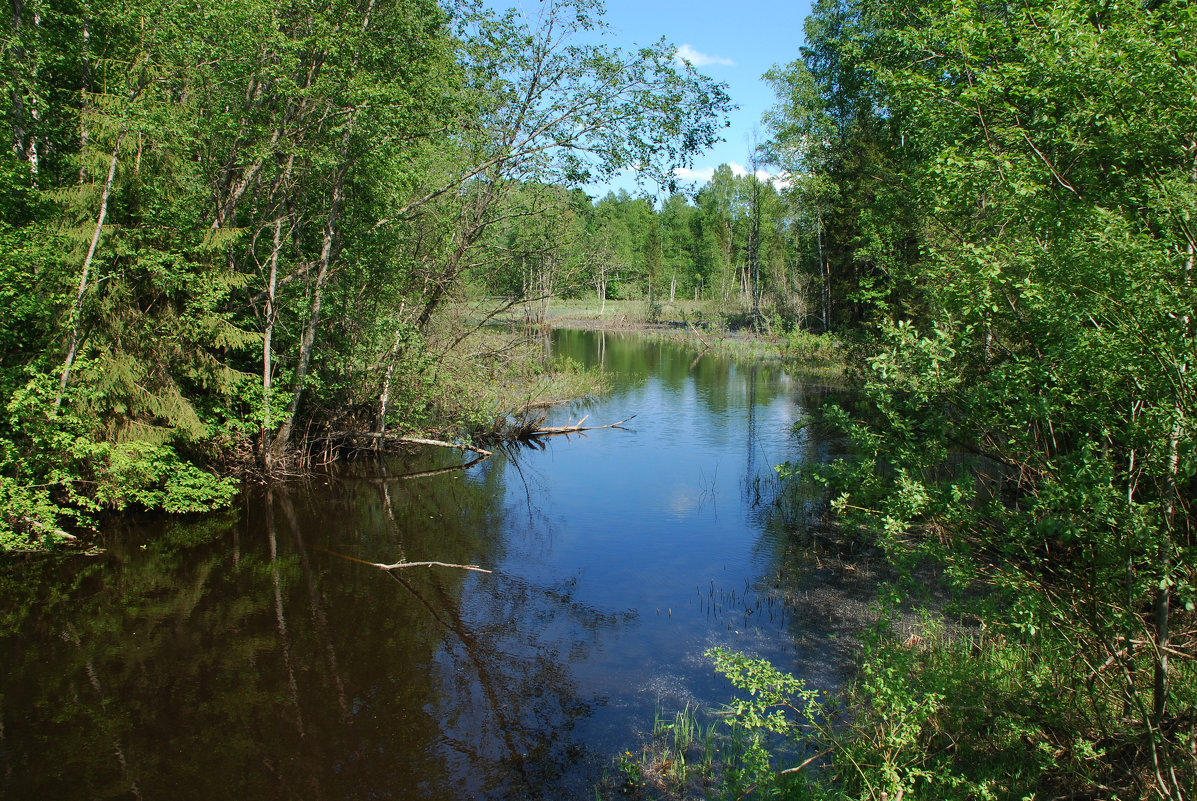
(721, 383)
(507, 697)
(189, 670)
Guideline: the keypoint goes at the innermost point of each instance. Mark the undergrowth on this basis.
(958, 716)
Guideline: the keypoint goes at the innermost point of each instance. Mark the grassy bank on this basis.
(495, 374)
(703, 324)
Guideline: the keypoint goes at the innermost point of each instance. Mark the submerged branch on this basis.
(400, 565)
(383, 438)
(574, 428)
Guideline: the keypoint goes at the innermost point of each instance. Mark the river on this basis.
(252, 655)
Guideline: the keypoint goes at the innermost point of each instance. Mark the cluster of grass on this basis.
(816, 351)
(683, 759)
(496, 375)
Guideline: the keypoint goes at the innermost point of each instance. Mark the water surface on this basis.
(253, 655)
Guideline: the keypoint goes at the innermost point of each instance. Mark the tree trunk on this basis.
(84, 91)
(35, 112)
(384, 397)
(466, 237)
(1162, 605)
(73, 342)
(268, 335)
(824, 277)
(328, 249)
(754, 248)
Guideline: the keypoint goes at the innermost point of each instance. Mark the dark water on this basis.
(248, 656)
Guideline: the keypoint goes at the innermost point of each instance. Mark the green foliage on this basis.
(842, 142)
(1027, 406)
(55, 471)
(891, 733)
(222, 223)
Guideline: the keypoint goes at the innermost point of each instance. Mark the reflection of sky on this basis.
(262, 644)
(657, 520)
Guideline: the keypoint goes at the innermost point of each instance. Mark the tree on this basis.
(839, 139)
(255, 197)
(1046, 344)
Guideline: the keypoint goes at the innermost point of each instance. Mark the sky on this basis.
(733, 41)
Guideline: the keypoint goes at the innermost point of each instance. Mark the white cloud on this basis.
(687, 174)
(688, 53)
(782, 180)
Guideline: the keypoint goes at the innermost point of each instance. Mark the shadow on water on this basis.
(257, 654)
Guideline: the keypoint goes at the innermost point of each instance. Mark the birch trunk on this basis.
(384, 397)
(1162, 604)
(328, 248)
(73, 342)
(84, 91)
(267, 351)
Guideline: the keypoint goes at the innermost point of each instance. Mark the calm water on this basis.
(248, 655)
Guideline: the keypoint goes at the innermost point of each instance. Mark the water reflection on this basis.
(257, 654)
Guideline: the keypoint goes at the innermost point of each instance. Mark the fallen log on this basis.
(574, 428)
(700, 336)
(383, 438)
(401, 565)
(461, 446)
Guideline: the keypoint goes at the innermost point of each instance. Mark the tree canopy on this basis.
(228, 221)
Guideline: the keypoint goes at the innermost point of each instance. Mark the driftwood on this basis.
(527, 430)
(706, 345)
(574, 428)
(700, 336)
(798, 768)
(401, 565)
(384, 438)
(461, 446)
(426, 473)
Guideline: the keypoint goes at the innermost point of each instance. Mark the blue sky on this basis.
(734, 41)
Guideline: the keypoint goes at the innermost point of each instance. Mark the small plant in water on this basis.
(680, 759)
(632, 770)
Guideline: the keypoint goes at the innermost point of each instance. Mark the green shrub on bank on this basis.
(56, 474)
(901, 730)
(974, 715)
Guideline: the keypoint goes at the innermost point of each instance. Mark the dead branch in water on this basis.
(695, 330)
(384, 480)
(400, 565)
(706, 345)
(461, 446)
(426, 473)
(574, 428)
(385, 438)
(525, 429)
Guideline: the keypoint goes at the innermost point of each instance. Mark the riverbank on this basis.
(703, 323)
(463, 380)
(617, 559)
